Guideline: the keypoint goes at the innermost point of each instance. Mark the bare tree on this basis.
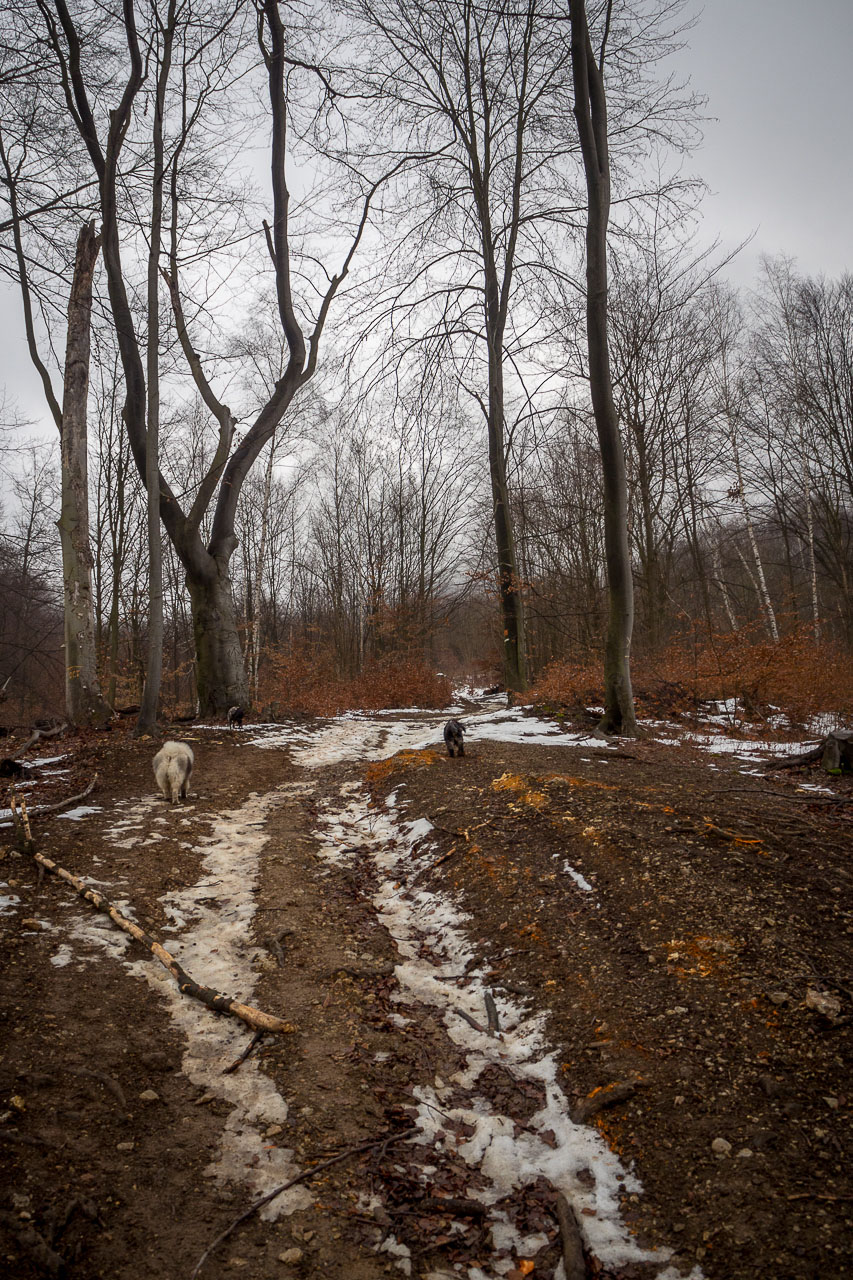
(84, 701)
(479, 96)
(591, 116)
(163, 40)
(220, 671)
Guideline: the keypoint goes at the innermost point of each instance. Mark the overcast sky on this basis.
(777, 156)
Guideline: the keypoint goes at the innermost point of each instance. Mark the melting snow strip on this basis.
(418, 921)
(215, 949)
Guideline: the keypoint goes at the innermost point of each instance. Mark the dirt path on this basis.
(633, 919)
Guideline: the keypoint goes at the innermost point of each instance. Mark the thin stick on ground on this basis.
(253, 1043)
(41, 809)
(254, 1018)
(492, 1013)
(574, 1262)
(302, 1177)
(814, 797)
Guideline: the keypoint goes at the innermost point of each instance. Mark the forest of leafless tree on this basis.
(328, 380)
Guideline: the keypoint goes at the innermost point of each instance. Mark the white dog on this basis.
(173, 766)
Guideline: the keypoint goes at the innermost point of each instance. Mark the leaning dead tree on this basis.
(84, 702)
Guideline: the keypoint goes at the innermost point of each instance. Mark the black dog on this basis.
(453, 732)
(10, 768)
(235, 717)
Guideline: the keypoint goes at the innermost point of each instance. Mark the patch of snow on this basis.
(417, 830)
(719, 744)
(577, 877)
(8, 901)
(429, 932)
(81, 811)
(215, 951)
(42, 760)
(62, 956)
(822, 724)
(362, 736)
(401, 1252)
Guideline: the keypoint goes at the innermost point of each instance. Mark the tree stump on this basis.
(837, 752)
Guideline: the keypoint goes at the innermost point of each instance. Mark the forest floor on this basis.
(474, 954)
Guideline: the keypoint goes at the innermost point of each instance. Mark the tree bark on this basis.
(220, 671)
(591, 116)
(84, 702)
(147, 722)
(509, 581)
(206, 564)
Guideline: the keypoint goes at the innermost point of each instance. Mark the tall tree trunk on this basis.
(761, 581)
(220, 670)
(812, 565)
(258, 574)
(206, 566)
(147, 722)
(724, 592)
(509, 581)
(591, 115)
(84, 702)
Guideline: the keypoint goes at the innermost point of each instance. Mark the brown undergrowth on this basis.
(797, 676)
(304, 681)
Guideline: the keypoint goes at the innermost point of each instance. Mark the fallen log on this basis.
(215, 1000)
(607, 1096)
(38, 734)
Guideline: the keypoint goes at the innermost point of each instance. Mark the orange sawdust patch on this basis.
(407, 759)
(700, 956)
(508, 782)
(525, 792)
(751, 842)
(608, 1125)
(578, 782)
(648, 804)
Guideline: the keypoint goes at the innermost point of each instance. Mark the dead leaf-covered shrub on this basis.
(796, 676)
(304, 681)
(399, 682)
(570, 686)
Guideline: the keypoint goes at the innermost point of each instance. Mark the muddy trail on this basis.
(549, 967)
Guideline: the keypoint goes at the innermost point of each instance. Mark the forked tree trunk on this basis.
(220, 670)
(591, 115)
(84, 702)
(219, 662)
